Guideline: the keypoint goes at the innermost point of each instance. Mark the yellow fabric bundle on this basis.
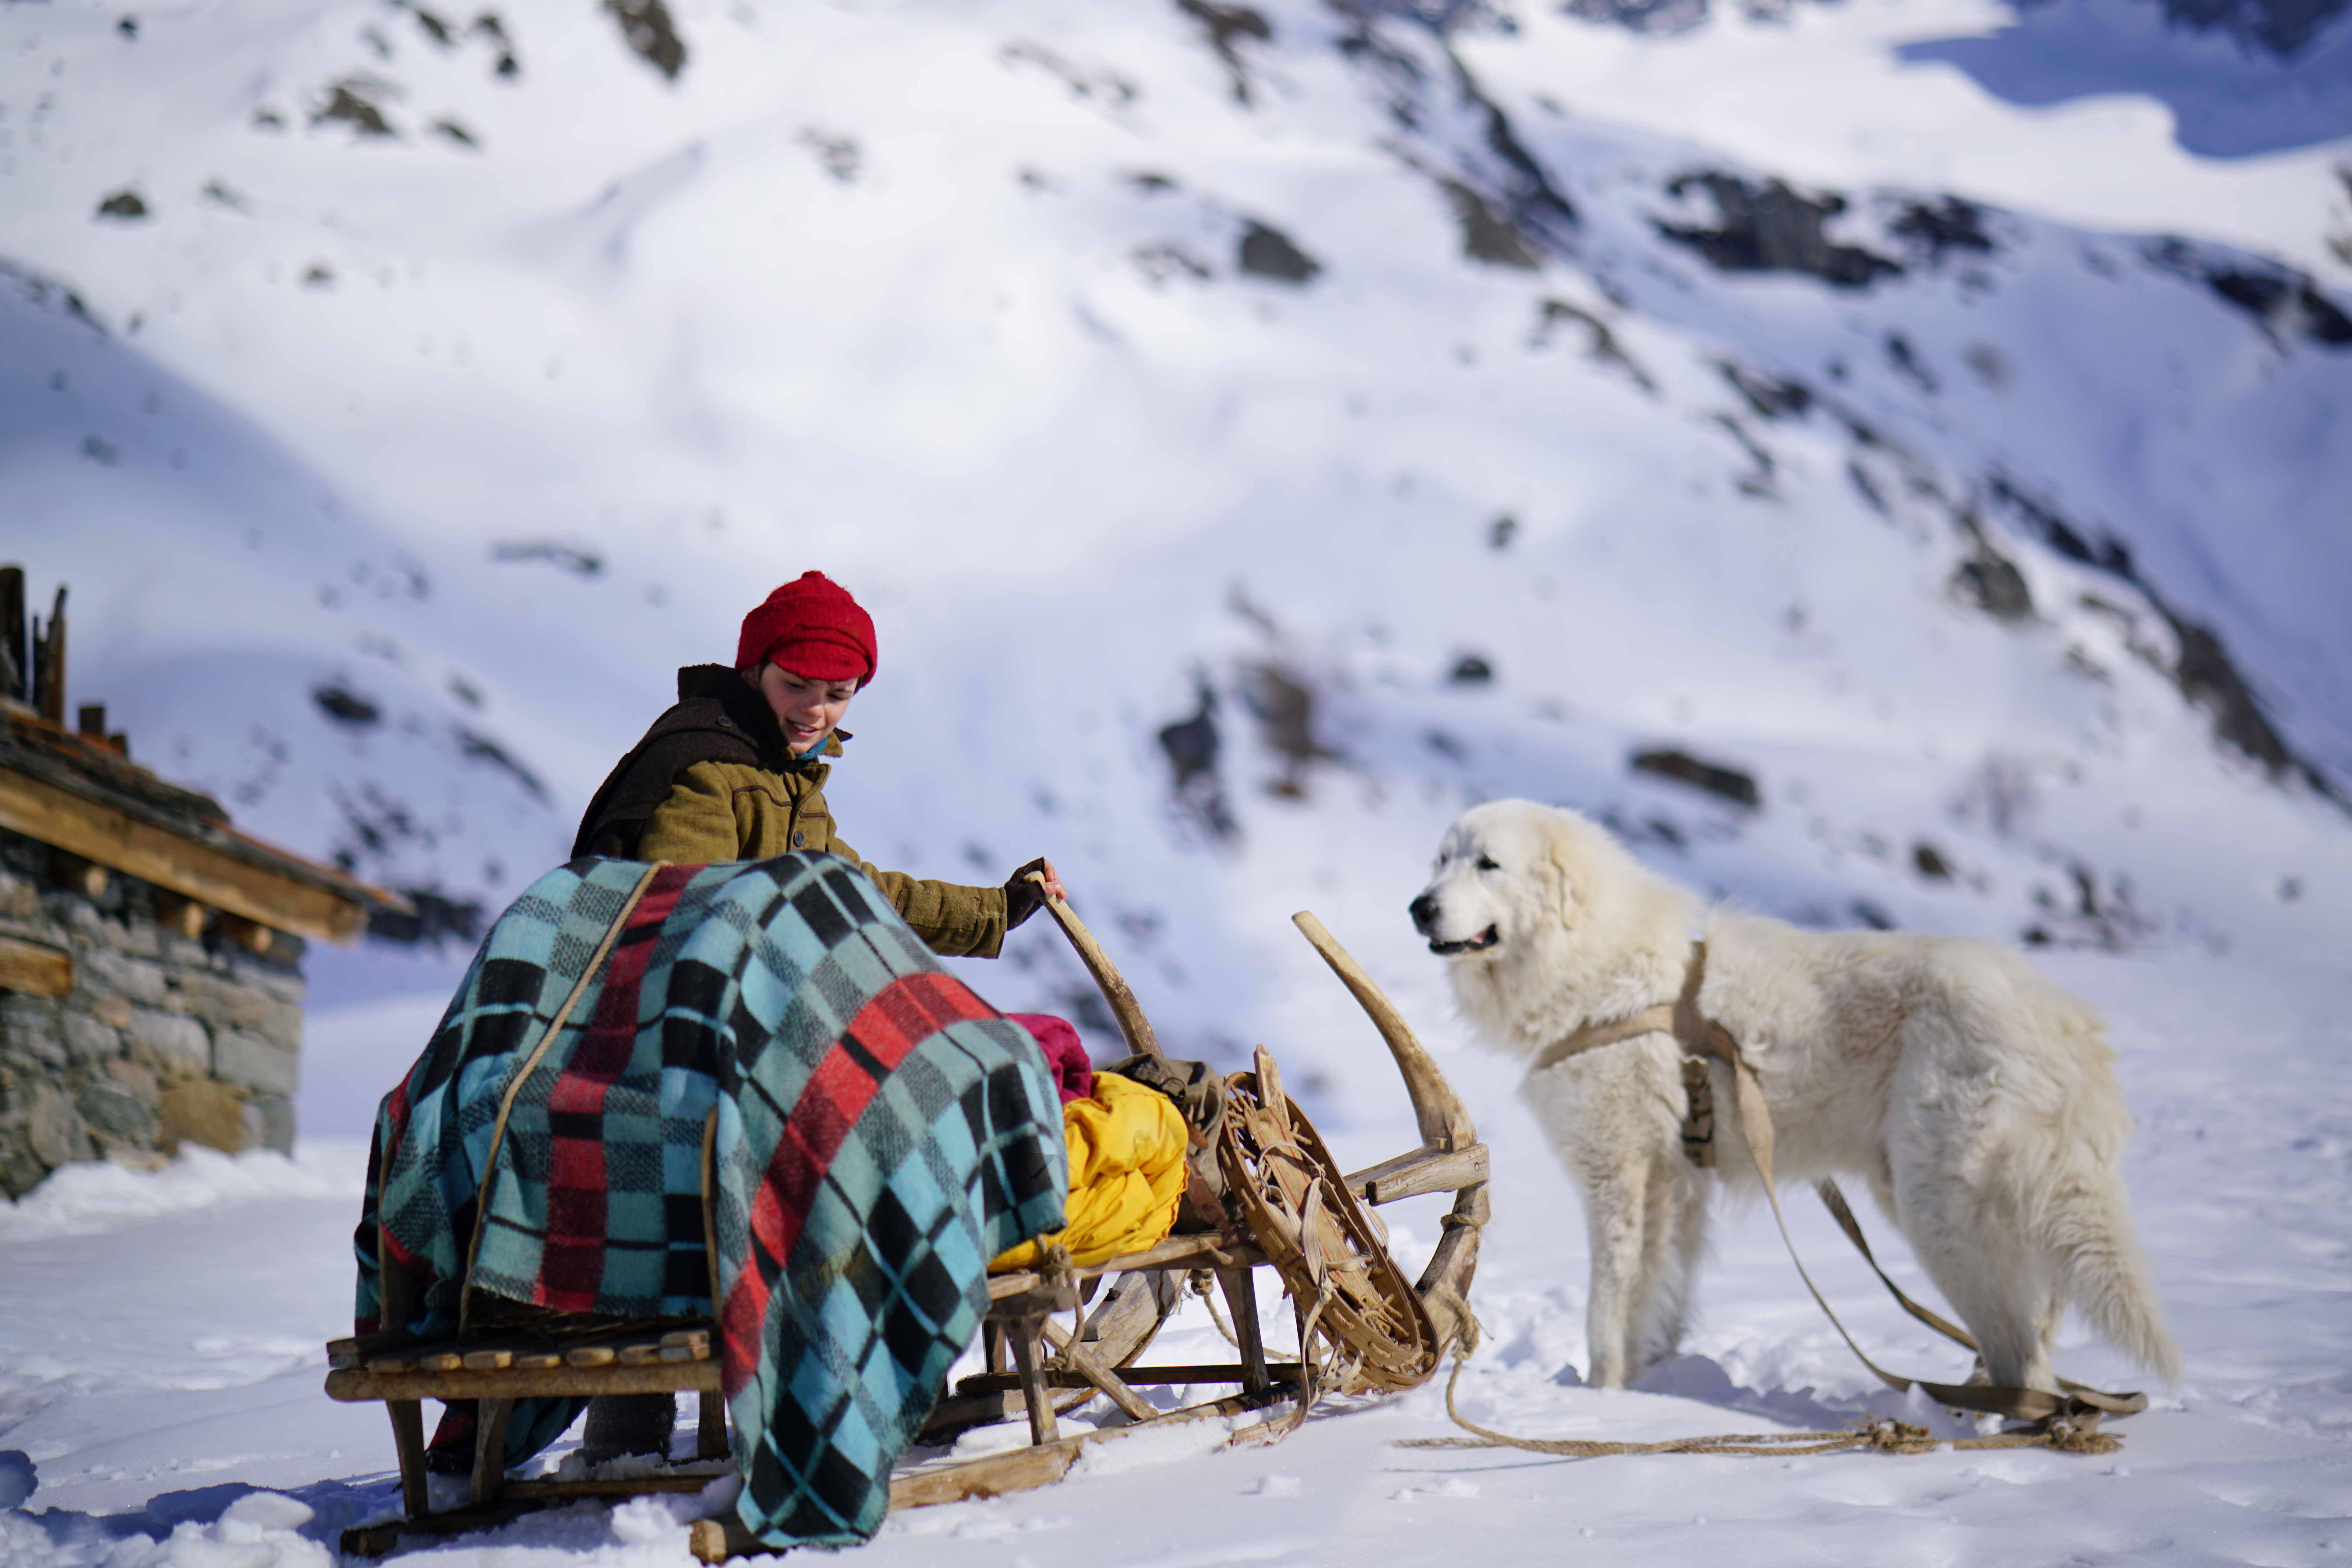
(1127, 1174)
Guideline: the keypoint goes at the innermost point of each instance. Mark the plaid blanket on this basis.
(882, 1133)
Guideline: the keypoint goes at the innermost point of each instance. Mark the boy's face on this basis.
(807, 708)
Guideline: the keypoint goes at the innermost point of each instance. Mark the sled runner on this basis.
(1056, 1334)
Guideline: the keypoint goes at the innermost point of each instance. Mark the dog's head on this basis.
(1504, 874)
(1546, 921)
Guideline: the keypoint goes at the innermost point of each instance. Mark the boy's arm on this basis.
(954, 920)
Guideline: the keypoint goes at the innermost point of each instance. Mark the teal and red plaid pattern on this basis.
(882, 1132)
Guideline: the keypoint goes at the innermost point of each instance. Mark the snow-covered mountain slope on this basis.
(455, 380)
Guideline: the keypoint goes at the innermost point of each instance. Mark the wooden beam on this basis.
(357, 1385)
(1134, 1377)
(176, 862)
(1206, 1249)
(49, 661)
(35, 968)
(187, 916)
(710, 1426)
(1022, 1336)
(380, 1540)
(1420, 1171)
(993, 1475)
(490, 1447)
(16, 662)
(408, 1442)
(86, 877)
(251, 935)
(618, 1487)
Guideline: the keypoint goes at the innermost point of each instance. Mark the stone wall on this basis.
(164, 1039)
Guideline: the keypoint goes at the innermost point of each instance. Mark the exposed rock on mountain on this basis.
(652, 33)
(1772, 228)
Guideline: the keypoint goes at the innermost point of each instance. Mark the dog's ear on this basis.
(1562, 868)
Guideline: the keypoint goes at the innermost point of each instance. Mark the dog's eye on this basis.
(1486, 863)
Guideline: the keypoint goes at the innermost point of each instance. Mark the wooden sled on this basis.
(1363, 1328)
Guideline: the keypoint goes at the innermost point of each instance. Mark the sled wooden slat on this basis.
(1206, 1251)
(360, 1349)
(515, 1500)
(372, 1540)
(1135, 1377)
(630, 1486)
(359, 1385)
(1001, 1473)
(1014, 1470)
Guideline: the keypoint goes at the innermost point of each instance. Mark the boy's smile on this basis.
(807, 708)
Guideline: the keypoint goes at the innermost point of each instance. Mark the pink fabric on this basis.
(1074, 1075)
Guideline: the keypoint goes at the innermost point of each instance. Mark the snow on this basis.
(162, 1369)
(487, 439)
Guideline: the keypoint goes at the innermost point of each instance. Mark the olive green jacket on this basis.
(713, 781)
(739, 811)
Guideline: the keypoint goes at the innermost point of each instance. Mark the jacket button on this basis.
(800, 840)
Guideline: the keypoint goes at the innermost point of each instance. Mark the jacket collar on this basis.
(742, 704)
(814, 759)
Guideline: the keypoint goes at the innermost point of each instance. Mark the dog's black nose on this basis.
(1424, 910)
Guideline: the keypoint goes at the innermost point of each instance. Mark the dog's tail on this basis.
(2081, 1209)
(2110, 1282)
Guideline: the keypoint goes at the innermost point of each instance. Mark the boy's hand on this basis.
(1025, 897)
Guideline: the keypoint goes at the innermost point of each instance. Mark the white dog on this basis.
(1974, 1097)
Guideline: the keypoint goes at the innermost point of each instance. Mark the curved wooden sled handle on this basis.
(1451, 1158)
(1107, 977)
(1444, 1124)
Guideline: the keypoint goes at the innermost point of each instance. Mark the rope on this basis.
(1467, 1329)
(1198, 1282)
(1316, 1365)
(2078, 1435)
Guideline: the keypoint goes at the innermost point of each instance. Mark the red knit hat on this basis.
(810, 627)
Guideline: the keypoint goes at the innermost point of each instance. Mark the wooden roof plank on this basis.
(177, 861)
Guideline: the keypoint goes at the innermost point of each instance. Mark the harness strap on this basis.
(1835, 1200)
(1700, 1036)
